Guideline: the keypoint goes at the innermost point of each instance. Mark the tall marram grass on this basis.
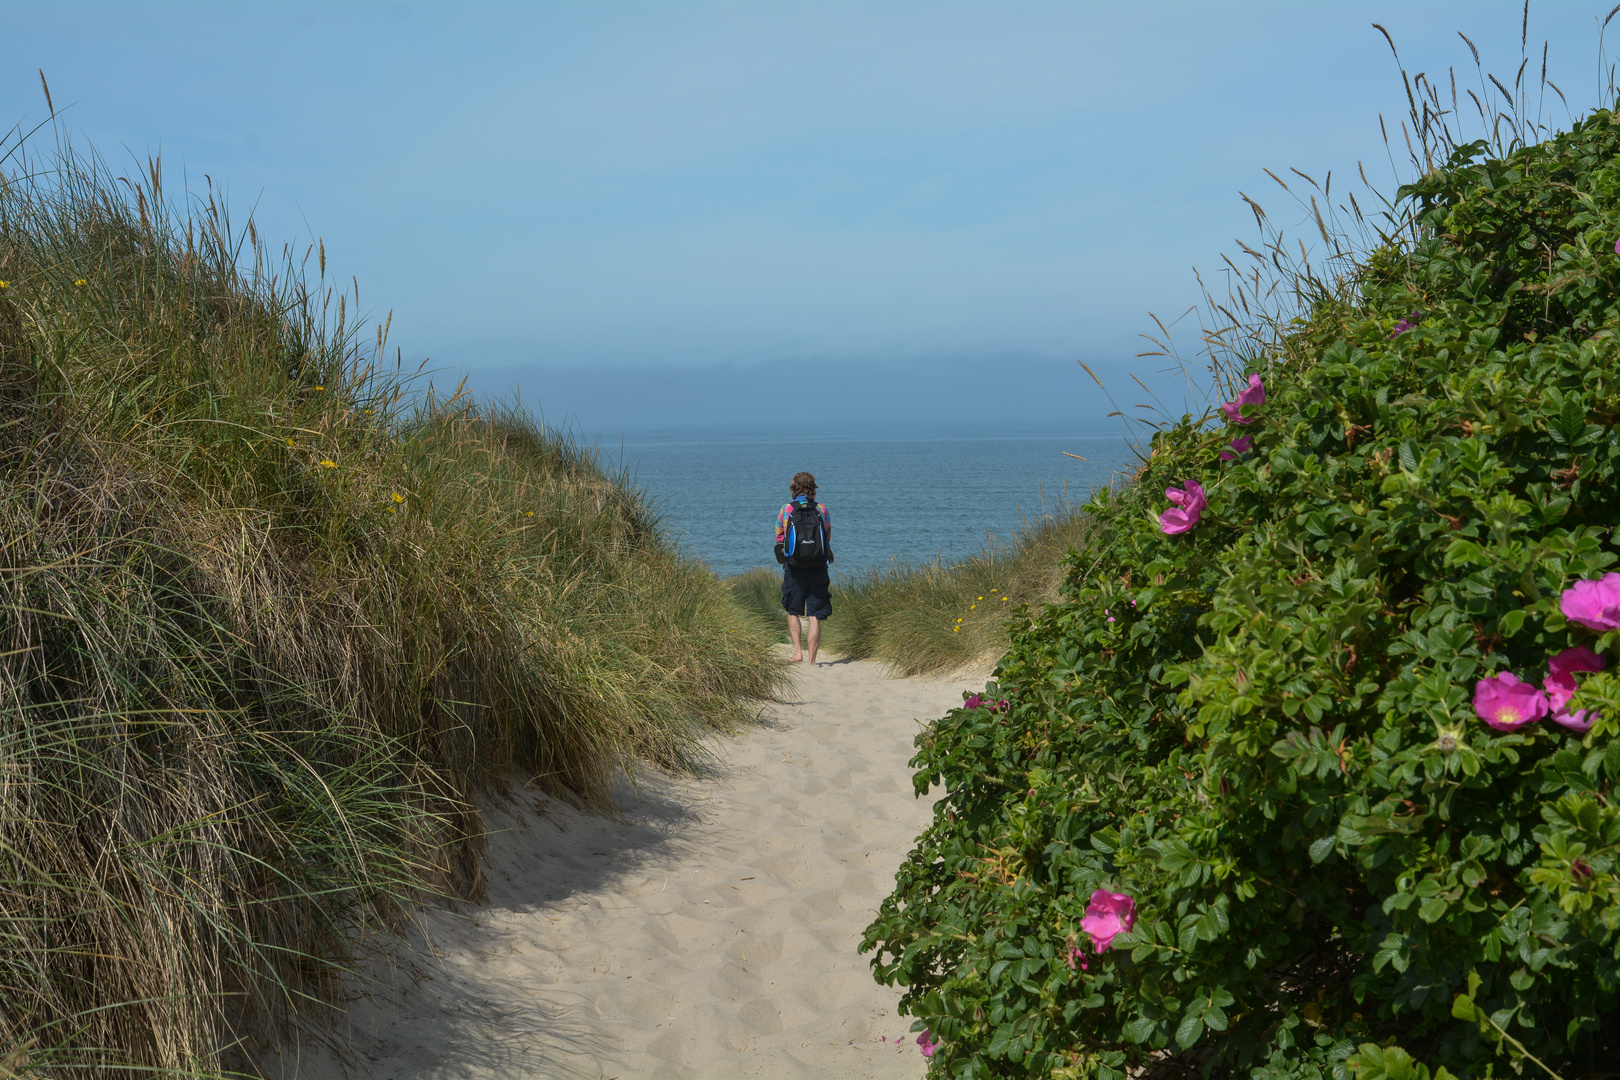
(937, 616)
(270, 623)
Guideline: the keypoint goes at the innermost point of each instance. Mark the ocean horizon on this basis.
(906, 497)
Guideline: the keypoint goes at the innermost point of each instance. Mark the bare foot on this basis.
(795, 659)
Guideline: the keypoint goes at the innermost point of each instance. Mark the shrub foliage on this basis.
(1262, 730)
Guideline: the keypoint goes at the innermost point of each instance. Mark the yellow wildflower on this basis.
(397, 497)
(530, 514)
(79, 282)
(328, 463)
(320, 388)
(5, 284)
(291, 441)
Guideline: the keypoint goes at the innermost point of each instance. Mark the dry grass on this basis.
(270, 623)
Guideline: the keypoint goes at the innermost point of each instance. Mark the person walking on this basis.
(806, 587)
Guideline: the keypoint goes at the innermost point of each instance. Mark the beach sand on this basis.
(709, 933)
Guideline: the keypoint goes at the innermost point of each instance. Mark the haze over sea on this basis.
(910, 496)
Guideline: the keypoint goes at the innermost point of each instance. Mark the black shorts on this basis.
(806, 590)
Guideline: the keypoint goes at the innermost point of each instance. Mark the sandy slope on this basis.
(710, 934)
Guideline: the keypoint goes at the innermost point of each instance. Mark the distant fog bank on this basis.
(802, 397)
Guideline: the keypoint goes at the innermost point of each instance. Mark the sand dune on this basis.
(710, 933)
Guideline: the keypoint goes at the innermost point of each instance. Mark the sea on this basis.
(899, 497)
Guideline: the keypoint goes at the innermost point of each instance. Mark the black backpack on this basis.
(805, 542)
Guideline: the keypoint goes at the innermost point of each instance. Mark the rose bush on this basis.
(1271, 745)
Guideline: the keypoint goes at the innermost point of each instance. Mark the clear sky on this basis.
(666, 213)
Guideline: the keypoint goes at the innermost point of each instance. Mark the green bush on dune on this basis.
(1289, 784)
(269, 624)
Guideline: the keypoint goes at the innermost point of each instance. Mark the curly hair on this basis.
(803, 484)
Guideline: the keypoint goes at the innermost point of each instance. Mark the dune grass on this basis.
(271, 621)
(937, 616)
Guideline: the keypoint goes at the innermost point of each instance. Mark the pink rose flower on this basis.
(973, 702)
(1254, 395)
(1507, 704)
(1240, 445)
(1189, 508)
(927, 1043)
(1593, 604)
(1074, 955)
(1560, 685)
(1108, 915)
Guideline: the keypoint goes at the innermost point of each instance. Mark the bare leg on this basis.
(814, 636)
(793, 638)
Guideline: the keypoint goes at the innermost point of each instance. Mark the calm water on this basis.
(908, 497)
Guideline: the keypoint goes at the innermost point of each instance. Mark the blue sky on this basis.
(651, 214)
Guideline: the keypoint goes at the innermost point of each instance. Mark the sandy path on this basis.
(710, 934)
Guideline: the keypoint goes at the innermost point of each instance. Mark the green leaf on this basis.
(1372, 1062)
(1141, 1029)
(1464, 553)
(1611, 759)
(1432, 909)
